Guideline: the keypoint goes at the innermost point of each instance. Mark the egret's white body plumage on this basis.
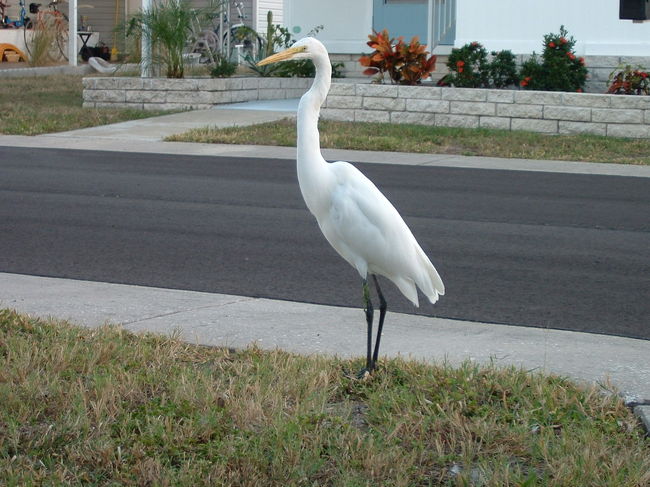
(355, 217)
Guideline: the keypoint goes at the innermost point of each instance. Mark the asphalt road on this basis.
(537, 249)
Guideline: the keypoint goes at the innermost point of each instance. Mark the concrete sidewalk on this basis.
(216, 319)
(155, 129)
(221, 116)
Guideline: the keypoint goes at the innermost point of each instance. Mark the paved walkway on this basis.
(157, 128)
(218, 319)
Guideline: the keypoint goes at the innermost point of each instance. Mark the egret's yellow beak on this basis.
(282, 56)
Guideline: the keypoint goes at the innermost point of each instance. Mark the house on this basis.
(103, 16)
(518, 25)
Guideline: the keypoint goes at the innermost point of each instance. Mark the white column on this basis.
(145, 64)
(72, 33)
(430, 26)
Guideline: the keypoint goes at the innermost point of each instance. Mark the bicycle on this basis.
(22, 19)
(209, 42)
(48, 21)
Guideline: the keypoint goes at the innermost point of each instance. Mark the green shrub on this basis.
(222, 68)
(503, 69)
(468, 67)
(303, 68)
(559, 70)
(532, 74)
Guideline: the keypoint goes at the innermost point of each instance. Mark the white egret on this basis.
(355, 217)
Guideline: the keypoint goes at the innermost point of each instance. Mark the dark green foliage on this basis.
(559, 70)
(337, 70)
(503, 69)
(468, 67)
(532, 74)
(223, 68)
(303, 68)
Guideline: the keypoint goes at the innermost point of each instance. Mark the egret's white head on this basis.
(305, 48)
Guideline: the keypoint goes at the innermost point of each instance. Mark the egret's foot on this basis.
(364, 373)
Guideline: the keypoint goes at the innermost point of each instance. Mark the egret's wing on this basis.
(360, 217)
(366, 229)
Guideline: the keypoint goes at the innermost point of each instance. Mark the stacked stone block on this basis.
(536, 111)
(175, 94)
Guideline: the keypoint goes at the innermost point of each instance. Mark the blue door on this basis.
(406, 18)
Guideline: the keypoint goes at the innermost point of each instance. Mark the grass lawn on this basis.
(46, 104)
(106, 407)
(438, 140)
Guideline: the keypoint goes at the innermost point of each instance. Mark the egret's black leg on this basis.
(369, 315)
(382, 315)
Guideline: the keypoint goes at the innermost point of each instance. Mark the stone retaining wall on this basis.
(537, 111)
(173, 94)
(23, 70)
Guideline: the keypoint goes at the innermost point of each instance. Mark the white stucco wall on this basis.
(519, 25)
(346, 23)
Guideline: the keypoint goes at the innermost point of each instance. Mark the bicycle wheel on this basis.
(45, 42)
(61, 39)
(49, 27)
(27, 37)
(206, 45)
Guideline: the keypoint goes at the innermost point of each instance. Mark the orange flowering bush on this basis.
(406, 63)
(559, 69)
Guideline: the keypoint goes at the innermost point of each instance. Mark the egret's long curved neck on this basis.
(309, 110)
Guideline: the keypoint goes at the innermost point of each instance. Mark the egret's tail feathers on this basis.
(429, 282)
(425, 277)
(408, 289)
